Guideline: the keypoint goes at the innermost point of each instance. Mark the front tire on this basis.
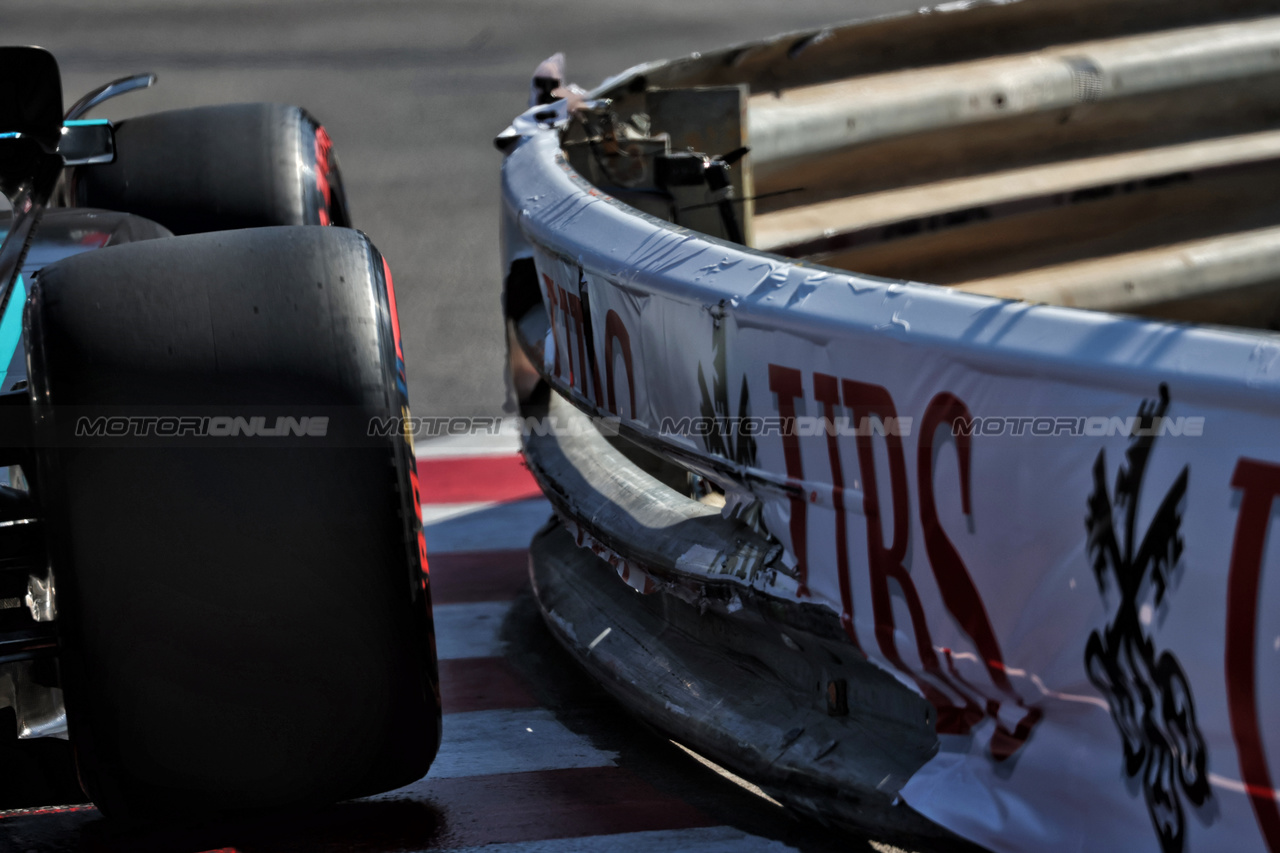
(220, 168)
(245, 621)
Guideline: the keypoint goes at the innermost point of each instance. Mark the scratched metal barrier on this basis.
(956, 559)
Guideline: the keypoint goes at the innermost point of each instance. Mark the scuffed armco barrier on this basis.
(983, 567)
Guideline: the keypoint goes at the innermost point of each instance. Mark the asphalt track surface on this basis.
(412, 94)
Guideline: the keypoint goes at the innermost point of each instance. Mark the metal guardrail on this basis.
(807, 120)
(1038, 525)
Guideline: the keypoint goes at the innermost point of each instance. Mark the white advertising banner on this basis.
(1054, 525)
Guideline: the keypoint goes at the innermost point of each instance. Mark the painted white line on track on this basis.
(710, 839)
(525, 740)
(433, 514)
(469, 630)
(483, 526)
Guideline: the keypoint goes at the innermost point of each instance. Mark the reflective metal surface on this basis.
(110, 90)
(87, 142)
(42, 598)
(39, 708)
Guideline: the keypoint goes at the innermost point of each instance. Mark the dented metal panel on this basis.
(1047, 526)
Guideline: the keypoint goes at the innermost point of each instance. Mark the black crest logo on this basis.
(727, 437)
(1149, 695)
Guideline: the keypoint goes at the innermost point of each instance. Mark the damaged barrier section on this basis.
(985, 558)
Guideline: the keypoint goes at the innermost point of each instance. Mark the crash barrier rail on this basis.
(806, 120)
(848, 507)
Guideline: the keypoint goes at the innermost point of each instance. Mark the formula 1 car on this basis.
(213, 580)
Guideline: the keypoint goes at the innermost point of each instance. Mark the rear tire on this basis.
(245, 622)
(219, 168)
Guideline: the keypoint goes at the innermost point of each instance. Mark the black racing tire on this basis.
(244, 622)
(219, 168)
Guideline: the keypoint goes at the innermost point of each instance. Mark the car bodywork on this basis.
(928, 559)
